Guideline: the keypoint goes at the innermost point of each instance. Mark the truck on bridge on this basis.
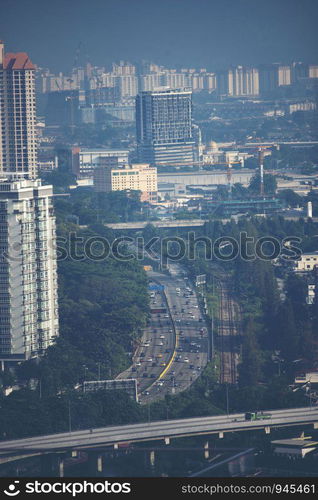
(257, 416)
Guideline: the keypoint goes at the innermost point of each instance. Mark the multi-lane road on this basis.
(173, 349)
(113, 435)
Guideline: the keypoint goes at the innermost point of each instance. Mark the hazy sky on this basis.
(188, 33)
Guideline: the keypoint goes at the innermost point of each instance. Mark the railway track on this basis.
(228, 331)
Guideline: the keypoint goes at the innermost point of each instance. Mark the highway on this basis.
(137, 226)
(112, 435)
(155, 349)
(174, 347)
(156, 223)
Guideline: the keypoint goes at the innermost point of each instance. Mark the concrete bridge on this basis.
(161, 430)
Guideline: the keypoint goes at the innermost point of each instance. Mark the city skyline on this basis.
(213, 35)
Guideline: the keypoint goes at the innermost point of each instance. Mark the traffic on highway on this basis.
(173, 350)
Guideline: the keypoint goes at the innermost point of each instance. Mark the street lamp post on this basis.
(69, 417)
(227, 399)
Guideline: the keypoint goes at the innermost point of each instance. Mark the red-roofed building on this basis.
(18, 148)
(17, 61)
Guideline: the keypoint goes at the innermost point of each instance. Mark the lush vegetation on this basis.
(85, 207)
(103, 306)
(279, 330)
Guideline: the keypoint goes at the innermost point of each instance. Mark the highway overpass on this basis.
(120, 226)
(157, 223)
(160, 430)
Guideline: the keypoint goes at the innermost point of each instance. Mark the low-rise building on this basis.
(136, 177)
(307, 262)
(294, 448)
(84, 161)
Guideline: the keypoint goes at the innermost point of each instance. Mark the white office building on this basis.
(84, 161)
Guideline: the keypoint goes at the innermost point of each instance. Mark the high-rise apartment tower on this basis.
(28, 281)
(17, 115)
(164, 127)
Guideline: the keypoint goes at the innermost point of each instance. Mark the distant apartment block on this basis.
(164, 127)
(239, 81)
(84, 161)
(272, 76)
(307, 262)
(28, 279)
(18, 153)
(313, 71)
(136, 177)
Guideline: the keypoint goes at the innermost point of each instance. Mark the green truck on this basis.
(257, 415)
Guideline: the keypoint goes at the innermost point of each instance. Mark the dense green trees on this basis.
(25, 413)
(270, 184)
(276, 324)
(88, 207)
(103, 307)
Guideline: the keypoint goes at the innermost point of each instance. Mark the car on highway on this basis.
(162, 336)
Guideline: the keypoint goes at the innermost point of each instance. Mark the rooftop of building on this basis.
(101, 150)
(20, 60)
(296, 442)
(167, 90)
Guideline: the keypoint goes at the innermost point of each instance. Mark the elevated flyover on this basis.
(159, 430)
(156, 223)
